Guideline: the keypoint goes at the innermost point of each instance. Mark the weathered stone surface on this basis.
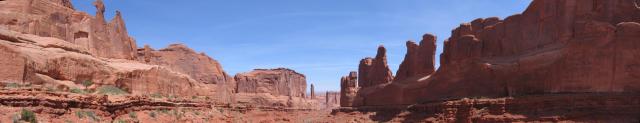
(58, 19)
(279, 82)
(349, 90)
(567, 46)
(57, 63)
(375, 71)
(182, 59)
(419, 60)
(332, 99)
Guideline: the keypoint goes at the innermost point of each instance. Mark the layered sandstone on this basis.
(375, 71)
(553, 47)
(185, 60)
(279, 82)
(60, 64)
(419, 60)
(58, 19)
(349, 90)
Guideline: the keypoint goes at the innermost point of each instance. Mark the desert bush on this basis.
(156, 95)
(152, 114)
(87, 83)
(111, 90)
(78, 91)
(90, 114)
(29, 116)
(133, 115)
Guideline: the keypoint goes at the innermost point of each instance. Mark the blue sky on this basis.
(323, 39)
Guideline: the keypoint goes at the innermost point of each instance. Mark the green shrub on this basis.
(120, 121)
(111, 90)
(164, 111)
(133, 115)
(80, 114)
(152, 114)
(28, 116)
(12, 85)
(87, 83)
(78, 91)
(156, 95)
(90, 114)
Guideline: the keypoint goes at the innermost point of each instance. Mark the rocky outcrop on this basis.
(313, 93)
(56, 63)
(278, 82)
(553, 47)
(375, 71)
(58, 19)
(349, 90)
(419, 60)
(332, 99)
(182, 59)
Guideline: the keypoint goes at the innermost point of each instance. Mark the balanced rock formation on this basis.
(375, 71)
(47, 42)
(419, 60)
(280, 81)
(58, 19)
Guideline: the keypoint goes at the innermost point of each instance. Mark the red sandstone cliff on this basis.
(554, 46)
(280, 81)
(58, 19)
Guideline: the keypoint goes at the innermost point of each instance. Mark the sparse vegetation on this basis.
(87, 83)
(90, 114)
(196, 112)
(111, 90)
(152, 114)
(156, 95)
(120, 121)
(164, 111)
(78, 91)
(28, 116)
(12, 85)
(133, 115)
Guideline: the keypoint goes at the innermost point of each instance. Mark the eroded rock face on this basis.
(553, 47)
(279, 82)
(56, 63)
(567, 46)
(349, 90)
(58, 19)
(185, 60)
(375, 71)
(419, 60)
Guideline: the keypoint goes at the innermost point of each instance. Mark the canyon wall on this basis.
(279, 81)
(49, 43)
(58, 19)
(554, 46)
